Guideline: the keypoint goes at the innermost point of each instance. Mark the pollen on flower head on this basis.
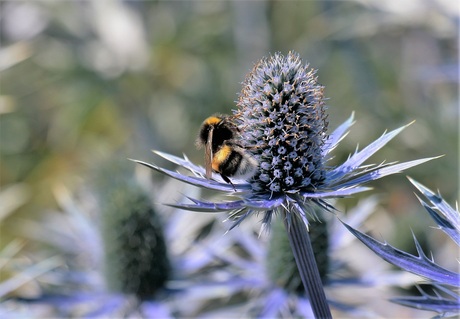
(282, 110)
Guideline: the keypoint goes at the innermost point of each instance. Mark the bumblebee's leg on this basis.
(227, 180)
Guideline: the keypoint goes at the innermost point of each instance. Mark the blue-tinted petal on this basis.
(420, 265)
(382, 171)
(335, 193)
(298, 207)
(304, 308)
(196, 181)
(451, 214)
(28, 274)
(259, 203)
(107, 308)
(195, 169)
(204, 206)
(441, 305)
(338, 134)
(240, 218)
(447, 304)
(444, 224)
(267, 219)
(183, 162)
(273, 303)
(358, 158)
(95, 305)
(154, 309)
(323, 204)
(65, 303)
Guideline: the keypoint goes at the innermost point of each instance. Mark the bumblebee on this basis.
(223, 154)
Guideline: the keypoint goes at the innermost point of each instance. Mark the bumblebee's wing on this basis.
(208, 155)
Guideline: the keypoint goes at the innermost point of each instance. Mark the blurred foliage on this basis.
(86, 81)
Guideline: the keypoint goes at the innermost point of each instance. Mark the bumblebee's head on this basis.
(222, 130)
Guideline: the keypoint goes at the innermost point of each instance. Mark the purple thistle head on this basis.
(282, 123)
(281, 111)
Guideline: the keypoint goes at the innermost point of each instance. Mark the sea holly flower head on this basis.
(281, 116)
(283, 125)
(282, 110)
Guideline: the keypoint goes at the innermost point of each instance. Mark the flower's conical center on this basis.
(281, 116)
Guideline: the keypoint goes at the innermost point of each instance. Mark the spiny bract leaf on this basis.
(446, 304)
(420, 265)
(360, 157)
(442, 213)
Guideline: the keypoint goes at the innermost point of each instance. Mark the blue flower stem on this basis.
(299, 240)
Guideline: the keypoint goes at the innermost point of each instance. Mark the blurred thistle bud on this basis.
(281, 108)
(136, 259)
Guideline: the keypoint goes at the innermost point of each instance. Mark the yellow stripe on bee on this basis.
(220, 156)
(212, 120)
